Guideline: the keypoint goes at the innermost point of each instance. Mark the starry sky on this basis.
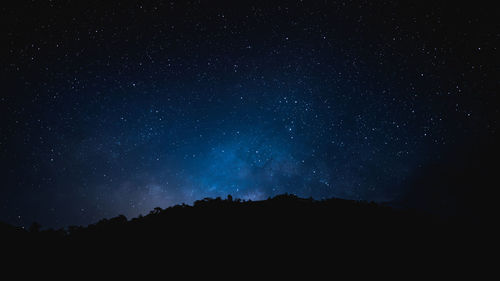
(114, 107)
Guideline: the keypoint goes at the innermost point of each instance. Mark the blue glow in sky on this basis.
(119, 109)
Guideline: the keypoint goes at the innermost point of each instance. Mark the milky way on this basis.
(116, 108)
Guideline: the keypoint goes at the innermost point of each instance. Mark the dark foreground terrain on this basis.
(283, 228)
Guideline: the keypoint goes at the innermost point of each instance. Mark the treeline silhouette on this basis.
(281, 218)
(284, 229)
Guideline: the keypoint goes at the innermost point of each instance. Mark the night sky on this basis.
(111, 108)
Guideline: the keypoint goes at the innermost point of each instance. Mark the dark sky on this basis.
(114, 108)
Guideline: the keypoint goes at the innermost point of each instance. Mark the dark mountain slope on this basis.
(231, 234)
(278, 219)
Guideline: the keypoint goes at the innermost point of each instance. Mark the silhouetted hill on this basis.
(282, 218)
(283, 229)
